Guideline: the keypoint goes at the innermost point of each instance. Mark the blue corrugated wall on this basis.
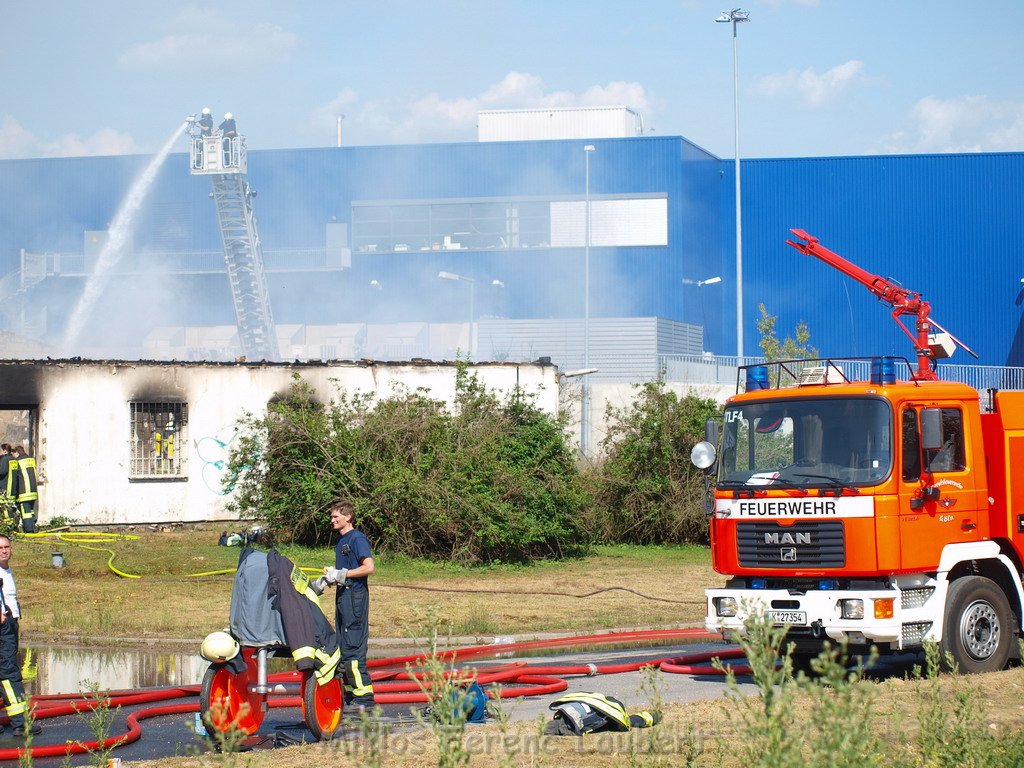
(949, 226)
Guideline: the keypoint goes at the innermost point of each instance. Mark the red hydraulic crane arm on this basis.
(902, 301)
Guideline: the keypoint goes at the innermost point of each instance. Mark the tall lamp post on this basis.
(472, 307)
(585, 400)
(734, 17)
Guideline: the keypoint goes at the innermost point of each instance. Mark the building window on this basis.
(158, 443)
(490, 224)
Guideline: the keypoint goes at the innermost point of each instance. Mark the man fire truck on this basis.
(887, 511)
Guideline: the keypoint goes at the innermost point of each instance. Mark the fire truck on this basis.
(864, 500)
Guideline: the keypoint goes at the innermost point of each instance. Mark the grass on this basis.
(85, 601)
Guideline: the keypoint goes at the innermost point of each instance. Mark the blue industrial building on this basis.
(359, 235)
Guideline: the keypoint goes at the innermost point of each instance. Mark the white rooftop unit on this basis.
(575, 123)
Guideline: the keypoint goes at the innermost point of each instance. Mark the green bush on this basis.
(485, 481)
(646, 489)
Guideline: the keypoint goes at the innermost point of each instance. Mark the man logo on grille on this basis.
(788, 555)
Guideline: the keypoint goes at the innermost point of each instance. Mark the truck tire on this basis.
(978, 629)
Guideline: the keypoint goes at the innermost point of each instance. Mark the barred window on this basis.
(159, 441)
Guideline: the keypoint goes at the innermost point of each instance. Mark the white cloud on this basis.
(432, 117)
(809, 86)
(18, 141)
(964, 124)
(204, 37)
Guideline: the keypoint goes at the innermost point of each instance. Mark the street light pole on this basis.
(585, 400)
(737, 16)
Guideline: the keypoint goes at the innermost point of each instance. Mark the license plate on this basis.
(793, 618)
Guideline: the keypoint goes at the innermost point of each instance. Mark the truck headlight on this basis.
(726, 606)
(852, 608)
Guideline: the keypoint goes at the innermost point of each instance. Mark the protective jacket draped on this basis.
(312, 639)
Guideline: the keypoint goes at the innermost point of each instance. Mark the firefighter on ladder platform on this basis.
(228, 132)
(205, 126)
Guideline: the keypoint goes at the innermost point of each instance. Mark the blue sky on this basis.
(817, 77)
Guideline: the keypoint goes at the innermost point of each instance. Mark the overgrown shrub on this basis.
(487, 480)
(646, 490)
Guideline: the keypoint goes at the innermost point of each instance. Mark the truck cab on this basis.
(860, 511)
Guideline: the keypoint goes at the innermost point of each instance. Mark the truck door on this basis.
(946, 513)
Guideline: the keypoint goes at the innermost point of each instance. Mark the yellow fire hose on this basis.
(84, 538)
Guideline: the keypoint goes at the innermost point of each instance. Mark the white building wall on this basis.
(565, 123)
(83, 446)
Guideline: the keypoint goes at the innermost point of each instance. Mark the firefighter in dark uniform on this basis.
(228, 131)
(205, 123)
(353, 564)
(205, 126)
(28, 491)
(10, 670)
(8, 483)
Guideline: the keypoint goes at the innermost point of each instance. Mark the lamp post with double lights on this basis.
(472, 303)
(734, 17)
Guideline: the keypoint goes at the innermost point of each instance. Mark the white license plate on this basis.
(793, 618)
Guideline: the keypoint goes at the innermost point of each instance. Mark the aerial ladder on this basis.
(223, 159)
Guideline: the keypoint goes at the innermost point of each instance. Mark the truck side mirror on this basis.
(711, 428)
(931, 429)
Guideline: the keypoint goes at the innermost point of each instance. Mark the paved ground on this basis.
(176, 734)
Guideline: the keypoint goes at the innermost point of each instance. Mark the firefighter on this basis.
(205, 123)
(28, 491)
(8, 480)
(205, 126)
(10, 670)
(353, 564)
(228, 131)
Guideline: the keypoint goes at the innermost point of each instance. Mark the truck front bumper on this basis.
(892, 619)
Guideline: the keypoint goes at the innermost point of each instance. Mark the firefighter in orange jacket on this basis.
(28, 491)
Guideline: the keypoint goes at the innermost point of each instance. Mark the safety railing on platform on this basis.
(721, 369)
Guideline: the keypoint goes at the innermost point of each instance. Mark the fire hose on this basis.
(395, 679)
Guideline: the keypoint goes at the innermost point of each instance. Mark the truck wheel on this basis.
(978, 626)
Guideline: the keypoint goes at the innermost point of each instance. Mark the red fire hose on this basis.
(394, 683)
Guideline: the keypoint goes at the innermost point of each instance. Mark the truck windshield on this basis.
(809, 443)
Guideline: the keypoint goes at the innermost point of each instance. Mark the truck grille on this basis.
(801, 545)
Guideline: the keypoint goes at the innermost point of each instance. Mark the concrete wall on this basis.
(83, 427)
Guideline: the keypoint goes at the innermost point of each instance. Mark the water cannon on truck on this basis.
(866, 501)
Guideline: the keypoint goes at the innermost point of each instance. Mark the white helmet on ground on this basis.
(219, 647)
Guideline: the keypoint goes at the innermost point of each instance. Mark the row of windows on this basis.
(507, 224)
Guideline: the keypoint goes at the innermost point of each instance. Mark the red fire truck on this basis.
(885, 511)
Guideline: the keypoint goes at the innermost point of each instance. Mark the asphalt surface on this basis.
(176, 734)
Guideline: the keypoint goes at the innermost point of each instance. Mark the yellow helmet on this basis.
(219, 647)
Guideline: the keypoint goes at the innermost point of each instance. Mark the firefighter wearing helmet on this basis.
(205, 123)
(227, 128)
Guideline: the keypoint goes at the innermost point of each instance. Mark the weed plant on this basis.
(100, 721)
(447, 694)
(225, 743)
